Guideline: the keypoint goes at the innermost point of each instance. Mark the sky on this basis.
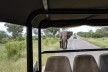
(83, 28)
(2, 27)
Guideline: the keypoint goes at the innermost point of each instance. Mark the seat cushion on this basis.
(104, 63)
(58, 64)
(85, 63)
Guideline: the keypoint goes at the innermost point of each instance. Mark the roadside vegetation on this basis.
(13, 47)
(100, 42)
(98, 38)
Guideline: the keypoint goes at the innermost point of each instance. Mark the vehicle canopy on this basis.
(53, 13)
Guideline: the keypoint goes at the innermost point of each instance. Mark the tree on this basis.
(51, 31)
(103, 31)
(64, 29)
(16, 30)
(3, 34)
(35, 31)
(46, 32)
(90, 33)
(99, 30)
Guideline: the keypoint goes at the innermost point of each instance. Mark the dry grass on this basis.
(20, 65)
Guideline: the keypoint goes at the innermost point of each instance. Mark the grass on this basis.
(100, 42)
(10, 65)
(2, 52)
(47, 44)
(20, 65)
(13, 66)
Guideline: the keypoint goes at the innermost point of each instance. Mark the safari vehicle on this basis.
(57, 13)
(74, 37)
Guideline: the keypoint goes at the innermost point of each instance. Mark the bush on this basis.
(14, 49)
(3, 40)
(46, 41)
(35, 37)
(92, 35)
(97, 35)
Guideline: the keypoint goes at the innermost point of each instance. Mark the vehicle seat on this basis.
(104, 62)
(85, 63)
(58, 64)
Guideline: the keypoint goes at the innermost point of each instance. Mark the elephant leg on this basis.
(64, 44)
(60, 43)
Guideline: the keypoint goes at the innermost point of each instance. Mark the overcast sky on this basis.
(74, 29)
(83, 28)
(2, 27)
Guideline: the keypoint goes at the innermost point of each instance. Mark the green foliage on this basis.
(3, 34)
(34, 37)
(19, 64)
(4, 40)
(18, 39)
(16, 30)
(49, 40)
(51, 31)
(53, 41)
(46, 41)
(14, 49)
(103, 32)
(35, 31)
(100, 42)
(3, 37)
(93, 35)
(58, 36)
(97, 35)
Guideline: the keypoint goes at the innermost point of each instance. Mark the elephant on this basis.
(64, 36)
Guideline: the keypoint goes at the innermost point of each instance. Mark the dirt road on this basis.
(81, 44)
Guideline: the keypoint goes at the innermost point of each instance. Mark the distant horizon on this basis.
(83, 28)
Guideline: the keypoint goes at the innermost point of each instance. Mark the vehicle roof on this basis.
(54, 13)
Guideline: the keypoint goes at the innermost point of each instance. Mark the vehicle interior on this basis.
(43, 14)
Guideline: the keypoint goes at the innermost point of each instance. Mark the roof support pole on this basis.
(29, 49)
(39, 50)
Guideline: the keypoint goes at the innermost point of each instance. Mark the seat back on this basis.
(85, 63)
(104, 63)
(58, 64)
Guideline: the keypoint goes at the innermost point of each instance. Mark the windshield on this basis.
(76, 38)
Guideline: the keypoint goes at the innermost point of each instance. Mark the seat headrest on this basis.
(58, 64)
(85, 63)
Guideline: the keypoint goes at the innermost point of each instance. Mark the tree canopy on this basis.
(102, 32)
(15, 30)
(51, 31)
(3, 34)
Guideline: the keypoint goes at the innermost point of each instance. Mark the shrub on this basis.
(14, 49)
(97, 35)
(34, 37)
(4, 40)
(46, 41)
